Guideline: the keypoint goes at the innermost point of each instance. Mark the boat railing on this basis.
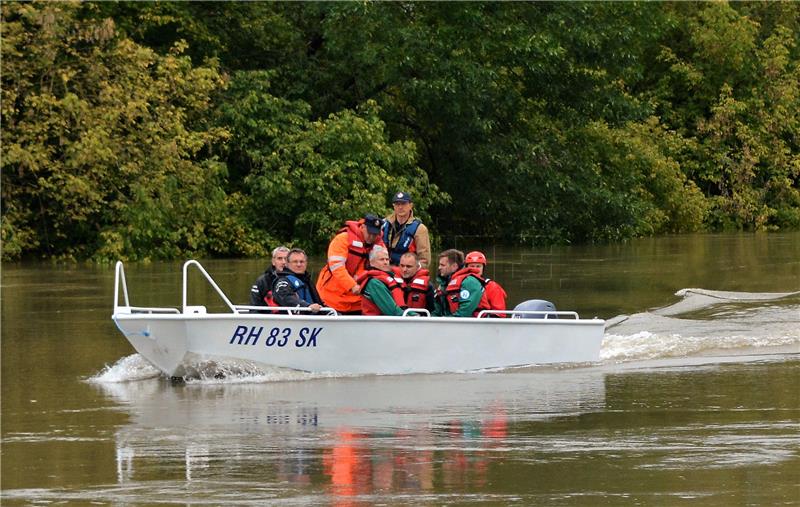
(292, 310)
(119, 281)
(145, 309)
(119, 278)
(186, 265)
(517, 314)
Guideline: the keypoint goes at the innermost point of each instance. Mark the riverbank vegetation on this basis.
(164, 130)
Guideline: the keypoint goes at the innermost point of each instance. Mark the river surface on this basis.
(696, 399)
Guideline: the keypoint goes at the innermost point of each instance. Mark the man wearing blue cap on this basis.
(402, 232)
(347, 258)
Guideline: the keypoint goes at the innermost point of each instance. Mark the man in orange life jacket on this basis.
(417, 286)
(347, 258)
(493, 292)
(402, 232)
(381, 291)
(261, 291)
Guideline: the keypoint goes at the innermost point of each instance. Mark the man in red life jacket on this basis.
(381, 291)
(417, 285)
(494, 294)
(458, 291)
(347, 258)
(461, 288)
(261, 291)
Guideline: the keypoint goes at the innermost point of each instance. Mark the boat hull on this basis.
(357, 344)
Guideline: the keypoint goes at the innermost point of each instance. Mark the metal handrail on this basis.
(208, 279)
(119, 275)
(291, 309)
(416, 310)
(119, 280)
(151, 309)
(547, 314)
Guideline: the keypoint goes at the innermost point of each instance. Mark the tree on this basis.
(310, 179)
(256, 121)
(731, 88)
(108, 151)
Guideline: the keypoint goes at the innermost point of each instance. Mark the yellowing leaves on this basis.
(108, 134)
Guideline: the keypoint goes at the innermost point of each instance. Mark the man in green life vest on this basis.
(459, 289)
(381, 292)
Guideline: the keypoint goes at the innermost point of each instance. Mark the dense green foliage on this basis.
(159, 130)
(106, 144)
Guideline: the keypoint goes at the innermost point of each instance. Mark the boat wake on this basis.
(706, 322)
(702, 323)
(128, 369)
(135, 367)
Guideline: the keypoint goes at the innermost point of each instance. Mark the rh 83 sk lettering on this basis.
(276, 336)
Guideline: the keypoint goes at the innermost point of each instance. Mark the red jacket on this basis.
(416, 290)
(493, 297)
(395, 289)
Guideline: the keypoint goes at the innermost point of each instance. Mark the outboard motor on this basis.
(535, 305)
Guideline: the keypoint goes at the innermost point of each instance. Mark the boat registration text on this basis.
(276, 337)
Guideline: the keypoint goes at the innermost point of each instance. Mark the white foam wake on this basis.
(135, 367)
(646, 345)
(127, 369)
(703, 321)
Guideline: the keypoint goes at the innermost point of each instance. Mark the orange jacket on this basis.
(347, 258)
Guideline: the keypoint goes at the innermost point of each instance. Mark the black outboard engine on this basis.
(536, 305)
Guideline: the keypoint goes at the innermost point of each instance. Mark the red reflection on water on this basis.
(347, 464)
(497, 426)
(356, 468)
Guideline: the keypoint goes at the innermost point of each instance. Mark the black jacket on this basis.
(285, 294)
(262, 287)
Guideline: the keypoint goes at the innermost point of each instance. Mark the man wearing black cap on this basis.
(402, 232)
(347, 258)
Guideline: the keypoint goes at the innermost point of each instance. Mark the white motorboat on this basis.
(176, 340)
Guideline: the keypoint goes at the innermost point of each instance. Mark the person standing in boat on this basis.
(381, 290)
(347, 258)
(493, 293)
(293, 286)
(403, 232)
(261, 291)
(417, 287)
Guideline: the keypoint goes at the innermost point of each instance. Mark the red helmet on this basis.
(476, 257)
